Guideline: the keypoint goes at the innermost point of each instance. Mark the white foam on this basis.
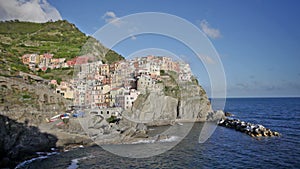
(170, 139)
(34, 159)
(74, 162)
(143, 142)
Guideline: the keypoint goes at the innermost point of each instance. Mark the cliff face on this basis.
(19, 142)
(154, 108)
(194, 104)
(22, 100)
(185, 102)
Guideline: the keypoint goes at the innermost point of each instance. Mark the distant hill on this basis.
(61, 38)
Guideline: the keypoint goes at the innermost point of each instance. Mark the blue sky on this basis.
(258, 41)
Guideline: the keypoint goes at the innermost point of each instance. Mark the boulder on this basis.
(140, 134)
(228, 114)
(161, 137)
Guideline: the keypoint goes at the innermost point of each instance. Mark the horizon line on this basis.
(254, 97)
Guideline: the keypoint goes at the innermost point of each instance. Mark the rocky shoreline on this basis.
(20, 141)
(253, 130)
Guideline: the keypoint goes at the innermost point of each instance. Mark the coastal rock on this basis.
(194, 104)
(157, 108)
(228, 114)
(215, 115)
(19, 141)
(154, 109)
(140, 134)
(253, 130)
(162, 137)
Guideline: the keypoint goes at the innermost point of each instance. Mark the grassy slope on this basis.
(60, 38)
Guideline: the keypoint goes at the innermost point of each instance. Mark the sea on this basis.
(225, 148)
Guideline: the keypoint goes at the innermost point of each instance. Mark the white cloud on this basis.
(132, 37)
(206, 59)
(132, 31)
(28, 10)
(242, 85)
(111, 17)
(209, 31)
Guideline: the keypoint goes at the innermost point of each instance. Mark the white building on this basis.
(145, 83)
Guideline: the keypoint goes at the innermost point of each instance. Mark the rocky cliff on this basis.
(19, 141)
(23, 97)
(193, 104)
(154, 109)
(176, 102)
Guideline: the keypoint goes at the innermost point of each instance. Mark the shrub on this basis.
(112, 119)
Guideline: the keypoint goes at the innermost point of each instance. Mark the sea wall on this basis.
(253, 130)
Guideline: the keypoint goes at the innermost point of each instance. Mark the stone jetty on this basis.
(253, 130)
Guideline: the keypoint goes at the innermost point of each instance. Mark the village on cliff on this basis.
(96, 85)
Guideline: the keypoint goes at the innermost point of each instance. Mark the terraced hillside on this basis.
(61, 38)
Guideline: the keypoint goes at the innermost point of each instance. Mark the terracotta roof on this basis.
(116, 88)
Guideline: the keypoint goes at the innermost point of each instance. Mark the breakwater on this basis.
(253, 130)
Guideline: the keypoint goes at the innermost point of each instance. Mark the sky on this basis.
(257, 41)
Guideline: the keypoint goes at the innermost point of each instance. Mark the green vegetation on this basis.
(56, 74)
(60, 38)
(172, 91)
(111, 57)
(112, 119)
(9, 97)
(26, 96)
(52, 86)
(171, 87)
(195, 81)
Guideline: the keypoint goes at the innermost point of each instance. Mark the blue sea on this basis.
(226, 148)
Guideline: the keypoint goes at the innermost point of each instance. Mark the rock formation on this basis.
(253, 130)
(19, 142)
(160, 108)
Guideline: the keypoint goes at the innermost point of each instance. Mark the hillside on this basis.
(61, 38)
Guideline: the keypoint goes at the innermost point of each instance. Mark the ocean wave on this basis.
(151, 141)
(74, 162)
(43, 155)
(170, 139)
(143, 142)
